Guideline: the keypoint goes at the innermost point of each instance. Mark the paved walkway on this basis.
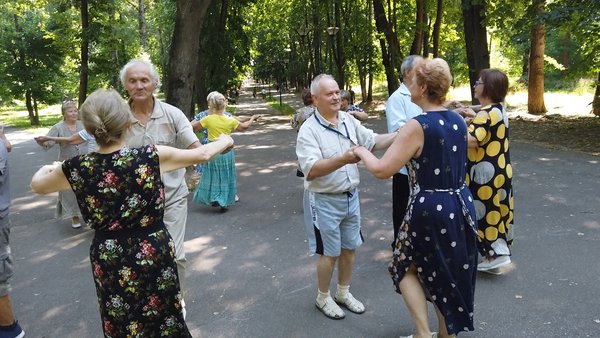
(250, 275)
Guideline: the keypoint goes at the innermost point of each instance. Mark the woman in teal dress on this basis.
(121, 196)
(435, 255)
(218, 185)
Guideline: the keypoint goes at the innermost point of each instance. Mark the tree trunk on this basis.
(339, 50)
(417, 44)
(596, 102)
(164, 57)
(183, 53)
(370, 91)
(85, 45)
(535, 88)
(391, 57)
(29, 105)
(318, 67)
(436, 28)
(36, 111)
(478, 56)
(142, 24)
(362, 78)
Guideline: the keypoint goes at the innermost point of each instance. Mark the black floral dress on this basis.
(438, 235)
(121, 196)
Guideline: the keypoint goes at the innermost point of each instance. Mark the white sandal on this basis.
(351, 303)
(330, 309)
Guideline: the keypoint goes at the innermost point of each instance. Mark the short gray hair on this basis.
(151, 71)
(314, 85)
(408, 63)
(345, 95)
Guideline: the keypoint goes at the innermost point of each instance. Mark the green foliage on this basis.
(283, 108)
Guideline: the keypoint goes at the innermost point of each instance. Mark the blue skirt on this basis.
(218, 182)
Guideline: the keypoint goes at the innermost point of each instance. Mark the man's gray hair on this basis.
(314, 85)
(151, 71)
(408, 63)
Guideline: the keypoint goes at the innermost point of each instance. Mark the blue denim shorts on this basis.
(332, 222)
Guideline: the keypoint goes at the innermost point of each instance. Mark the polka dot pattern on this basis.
(490, 177)
(438, 235)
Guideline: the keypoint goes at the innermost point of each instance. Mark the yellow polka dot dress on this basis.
(490, 180)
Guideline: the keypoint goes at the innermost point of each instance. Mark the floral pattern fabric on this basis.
(121, 196)
(438, 235)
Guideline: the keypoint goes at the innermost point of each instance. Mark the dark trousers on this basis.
(400, 195)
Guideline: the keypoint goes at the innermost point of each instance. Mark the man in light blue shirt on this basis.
(398, 110)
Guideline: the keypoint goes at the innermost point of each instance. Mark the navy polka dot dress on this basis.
(438, 234)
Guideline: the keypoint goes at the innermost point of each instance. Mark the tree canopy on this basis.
(57, 49)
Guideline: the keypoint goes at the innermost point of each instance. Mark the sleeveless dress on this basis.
(438, 235)
(490, 181)
(121, 197)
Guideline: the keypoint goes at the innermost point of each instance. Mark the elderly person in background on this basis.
(331, 201)
(66, 206)
(399, 109)
(352, 109)
(218, 185)
(301, 115)
(157, 122)
(490, 170)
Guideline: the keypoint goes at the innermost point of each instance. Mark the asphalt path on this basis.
(250, 274)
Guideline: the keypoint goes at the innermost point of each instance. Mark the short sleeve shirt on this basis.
(318, 139)
(219, 124)
(170, 127)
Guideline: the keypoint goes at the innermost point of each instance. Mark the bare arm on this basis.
(73, 139)
(328, 165)
(245, 125)
(173, 158)
(49, 178)
(383, 141)
(406, 145)
(360, 115)
(196, 125)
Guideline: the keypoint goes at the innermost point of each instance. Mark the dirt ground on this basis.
(558, 129)
(559, 132)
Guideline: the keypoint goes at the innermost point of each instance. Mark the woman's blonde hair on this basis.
(106, 116)
(216, 102)
(435, 74)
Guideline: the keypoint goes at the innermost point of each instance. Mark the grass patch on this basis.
(18, 117)
(283, 108)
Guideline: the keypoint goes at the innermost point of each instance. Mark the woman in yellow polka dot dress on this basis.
(490, 170)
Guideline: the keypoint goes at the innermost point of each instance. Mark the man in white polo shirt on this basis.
(331, 203)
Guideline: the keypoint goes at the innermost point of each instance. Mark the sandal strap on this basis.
(330, 308)
(351, 303)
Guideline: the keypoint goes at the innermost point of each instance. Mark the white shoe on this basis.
(330, 308)
(76, 225)
(495, 263)
(183, 308)
(351, 303)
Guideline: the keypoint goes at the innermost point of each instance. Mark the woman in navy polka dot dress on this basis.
(435, 257)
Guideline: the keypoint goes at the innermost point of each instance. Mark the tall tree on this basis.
(390, 47)
(183, 53)
(535, 88)
(435, 36)
(420, 15)
(478, 56)
(85, 51)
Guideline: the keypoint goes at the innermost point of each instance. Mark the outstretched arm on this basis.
(173, 158)
(73, 139)
(360, 115)
(245, 125)
(49, 178)
(406, 145)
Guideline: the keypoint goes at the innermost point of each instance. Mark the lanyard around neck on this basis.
(347, 136)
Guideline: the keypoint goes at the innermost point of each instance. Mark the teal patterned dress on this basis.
(121, 197)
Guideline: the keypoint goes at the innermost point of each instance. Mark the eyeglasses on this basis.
(477, 82)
